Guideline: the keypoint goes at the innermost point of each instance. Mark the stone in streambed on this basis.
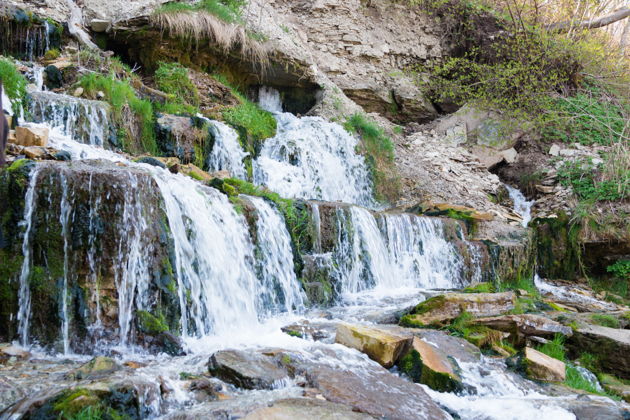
(31, 136)
(440, 310)
(541, 367)
(98, 367)
(525, 325)
(306, 409)
(380, 345)
(246, 369)
(428, 365)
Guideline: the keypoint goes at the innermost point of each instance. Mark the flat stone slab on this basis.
(306, 409)
(541, 367)
(246, 369)
(380, 345)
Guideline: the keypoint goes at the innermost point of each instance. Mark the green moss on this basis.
(52, 54)
(151, 324)
(74, 401)
(379, 152)
(18, 165)
(480, 288)
(429, 305)
(605, 320)
(257, 123)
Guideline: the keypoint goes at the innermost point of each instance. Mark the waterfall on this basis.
(390, 251)
(311, 158)
(227, 153)
(81, 119)
(64, 220)
(522, 207)
(280, 291)
(24, 296)
(214, 256)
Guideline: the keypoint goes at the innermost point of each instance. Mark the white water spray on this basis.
(227, 153)
(522, 207)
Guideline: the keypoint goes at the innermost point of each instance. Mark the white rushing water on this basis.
(227, 153)
(24, 295)
(281, 290)
(83, 120)
(522, 207)
(395, 251)
(311, 158)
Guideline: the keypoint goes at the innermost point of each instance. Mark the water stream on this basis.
(522, 206)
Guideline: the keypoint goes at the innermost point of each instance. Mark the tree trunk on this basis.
(615, 16)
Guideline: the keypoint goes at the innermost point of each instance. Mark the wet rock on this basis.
(586, 407)
(192, 171)
(541, 367)
(426, 364)
(169, 343)
(151, 161)
(246, 369)
(525, 325)
(305, 409)
(380, 345)
(78, 92)
(375, 391)
(35, 152)
(31, 136)
(8, 351)
(443, 308)
(98, 367)
(63, 155)
(611, 346)
(445, 209)
(309, 331)
(54, 78)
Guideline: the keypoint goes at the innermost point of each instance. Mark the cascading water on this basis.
(24, 296)
(214, 257)
(391, 251)
(280, 291)
(227, 153)
(80, 119)
(522, 207)
(311, 158)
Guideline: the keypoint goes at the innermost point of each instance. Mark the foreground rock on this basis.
(442, 309)
(98, 367)
(376, 392)
(381, 346)
(541, 367)
(611, 346)
(306, 409)
(426, 364)
(525, 325)
(249, 370)
(31, 136)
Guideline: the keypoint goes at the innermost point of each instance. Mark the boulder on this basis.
(554, 150)
(31, 136)
(98, 367)
(100, 25)
(451, 210)
(309, 331)
(192, 171)
(510, 155)
(426, 364)
(525, 325)
(380, 345)
(611, 346)
(246, 369)
(374, 391)
(442, 309)
(7, 351)
(35, 152)
(305, 409)
(541, 367)
(615, 386)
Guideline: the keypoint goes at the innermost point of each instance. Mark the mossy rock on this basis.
(151, 324)
(427, 365)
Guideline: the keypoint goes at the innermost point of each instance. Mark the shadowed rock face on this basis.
(611, 346)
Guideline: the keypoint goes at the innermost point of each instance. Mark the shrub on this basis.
(378, 149)
(605, 320)
(620, 269)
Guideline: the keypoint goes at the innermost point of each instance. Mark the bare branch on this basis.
(600, 22)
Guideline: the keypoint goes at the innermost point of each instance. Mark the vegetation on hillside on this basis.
(13, 82)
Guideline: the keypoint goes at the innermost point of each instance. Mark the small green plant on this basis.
(480, 288)
(173, 79)
(583, 177)
(14, 83)
(52, 54)
(227, 10)
(554, 348)
(285, 29)
(120, 94)
(620, 269)
(605, 320)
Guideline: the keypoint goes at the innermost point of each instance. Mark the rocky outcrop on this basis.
(611, 346)
(98, 367)
(541, 367)
(381, 346)
(246, 369)
(444, 308)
